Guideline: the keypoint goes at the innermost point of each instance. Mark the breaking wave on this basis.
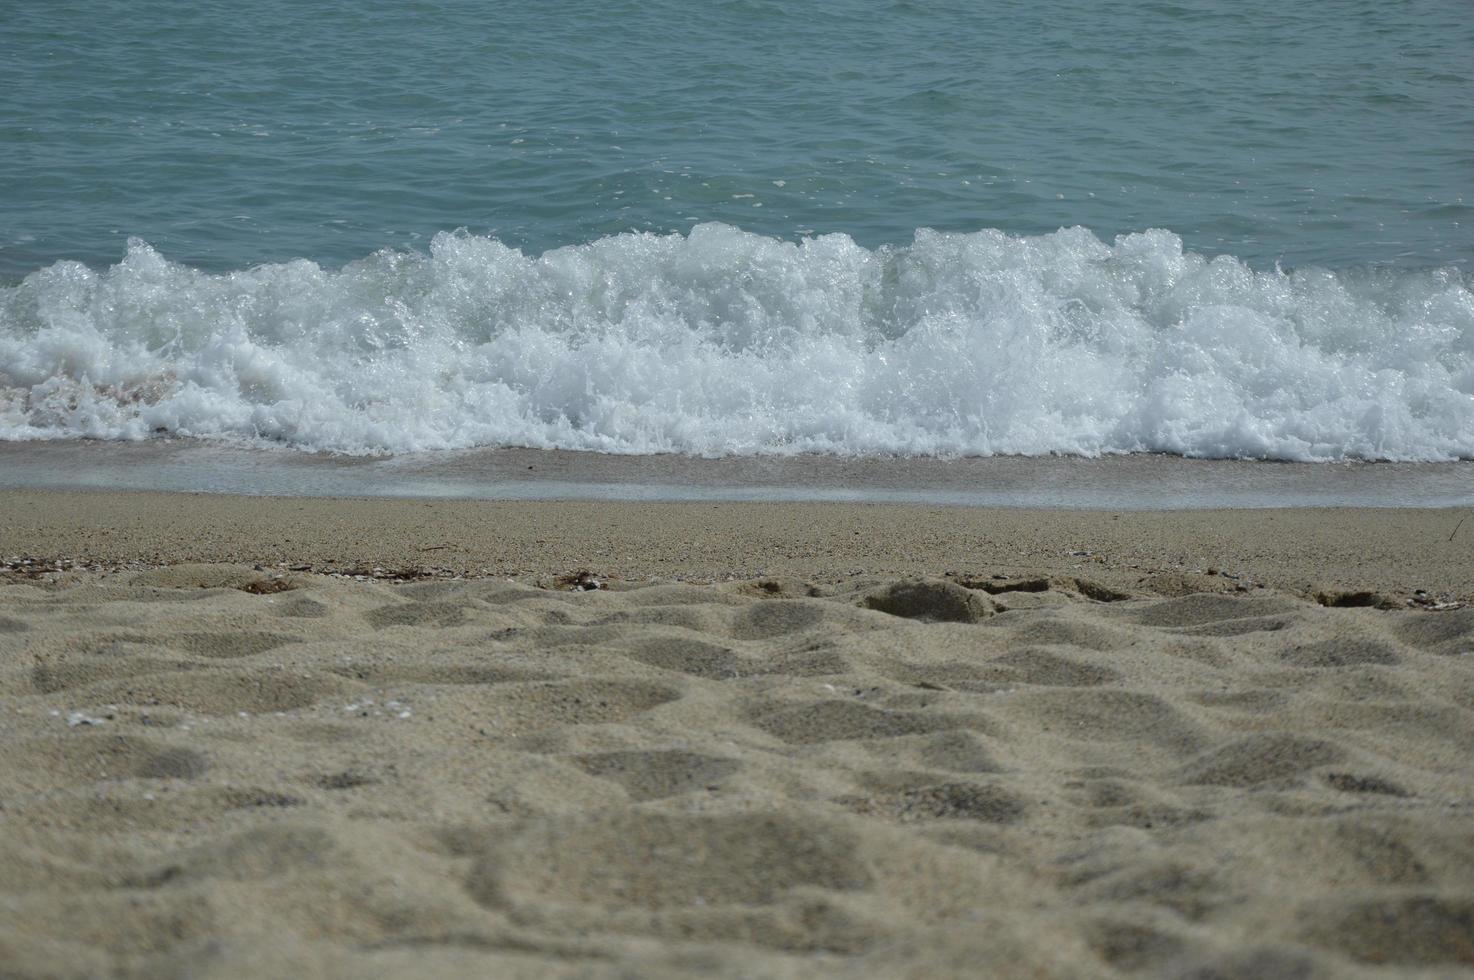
(722, 342)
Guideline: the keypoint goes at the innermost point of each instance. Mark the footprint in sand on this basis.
(92, 757)
(656, 775)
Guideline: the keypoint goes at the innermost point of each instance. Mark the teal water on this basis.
(1335, 133)
(743, 227)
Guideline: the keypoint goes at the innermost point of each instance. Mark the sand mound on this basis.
(930, 599)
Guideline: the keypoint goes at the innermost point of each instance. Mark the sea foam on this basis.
(723, 342)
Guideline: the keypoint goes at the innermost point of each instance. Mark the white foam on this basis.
(723, 342)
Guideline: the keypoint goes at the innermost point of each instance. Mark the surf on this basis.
(723, 342)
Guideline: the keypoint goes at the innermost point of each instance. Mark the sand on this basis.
(1303, 550)
(778, 741)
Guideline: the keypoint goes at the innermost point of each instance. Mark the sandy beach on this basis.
(744, 490)
(249, 736)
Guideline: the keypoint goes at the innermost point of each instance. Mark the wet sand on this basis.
(1299, 550)
(1131, 482)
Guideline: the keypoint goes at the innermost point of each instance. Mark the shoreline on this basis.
(1412, 555)
(1140, 481)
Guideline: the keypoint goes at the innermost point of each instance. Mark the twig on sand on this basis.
(1456, 528)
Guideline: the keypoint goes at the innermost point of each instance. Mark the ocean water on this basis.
(852, 227)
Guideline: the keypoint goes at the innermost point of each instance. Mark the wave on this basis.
(722, 342)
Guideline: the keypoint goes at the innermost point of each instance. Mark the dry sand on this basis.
(1092, 758)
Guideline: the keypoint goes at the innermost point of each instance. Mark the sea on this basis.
(401, 237)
